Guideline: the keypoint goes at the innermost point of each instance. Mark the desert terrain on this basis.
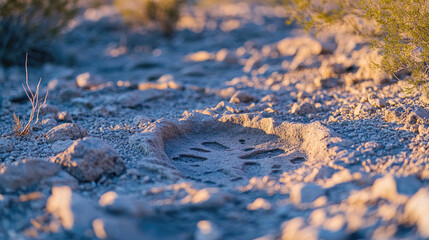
(237, 127)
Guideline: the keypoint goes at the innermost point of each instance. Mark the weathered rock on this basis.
(241, 97)
(303, 108)
(90, 158)
(64, 117)
(377, 102)
(32, 174)
(6, 145)
(417, 211)
(206, 230)
(66, 131)
(73, 211)
(306, 193)
(86, 80)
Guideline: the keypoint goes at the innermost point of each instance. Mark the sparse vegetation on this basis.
(162, 14)
(30, 26)
(398, 28)
(23, 128)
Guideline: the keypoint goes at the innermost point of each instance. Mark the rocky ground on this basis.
(239, 127)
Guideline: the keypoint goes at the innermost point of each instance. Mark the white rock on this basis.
(33, 173)
(206, 230)
(85, 80)
(64, 117)
(66, 131)
(90, 158)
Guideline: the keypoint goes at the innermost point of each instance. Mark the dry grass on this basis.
(24, 128)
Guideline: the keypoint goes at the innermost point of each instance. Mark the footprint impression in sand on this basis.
(231, 154)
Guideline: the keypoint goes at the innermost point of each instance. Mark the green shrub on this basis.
(163, 14)
(398, 28)
(29, 26)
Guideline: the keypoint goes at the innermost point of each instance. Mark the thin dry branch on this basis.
(20, 129)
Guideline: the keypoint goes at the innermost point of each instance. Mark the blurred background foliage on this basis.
(30, 26)
(399, 29)
(162, 14)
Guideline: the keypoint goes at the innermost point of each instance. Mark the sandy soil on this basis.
(239, 127)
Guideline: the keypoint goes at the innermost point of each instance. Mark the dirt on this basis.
(237, 127)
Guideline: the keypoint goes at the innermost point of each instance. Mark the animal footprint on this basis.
(297, 160)
(215, 146)
(189, 158)
(260, 154)
(252, 168)
(200, 150)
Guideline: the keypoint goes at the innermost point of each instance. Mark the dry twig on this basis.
(22, 128)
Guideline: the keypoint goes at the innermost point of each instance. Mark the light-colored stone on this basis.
(86, 80)
(90, 158)
(64, 117)
(207, 230)
(32, 173)
(66, 131)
